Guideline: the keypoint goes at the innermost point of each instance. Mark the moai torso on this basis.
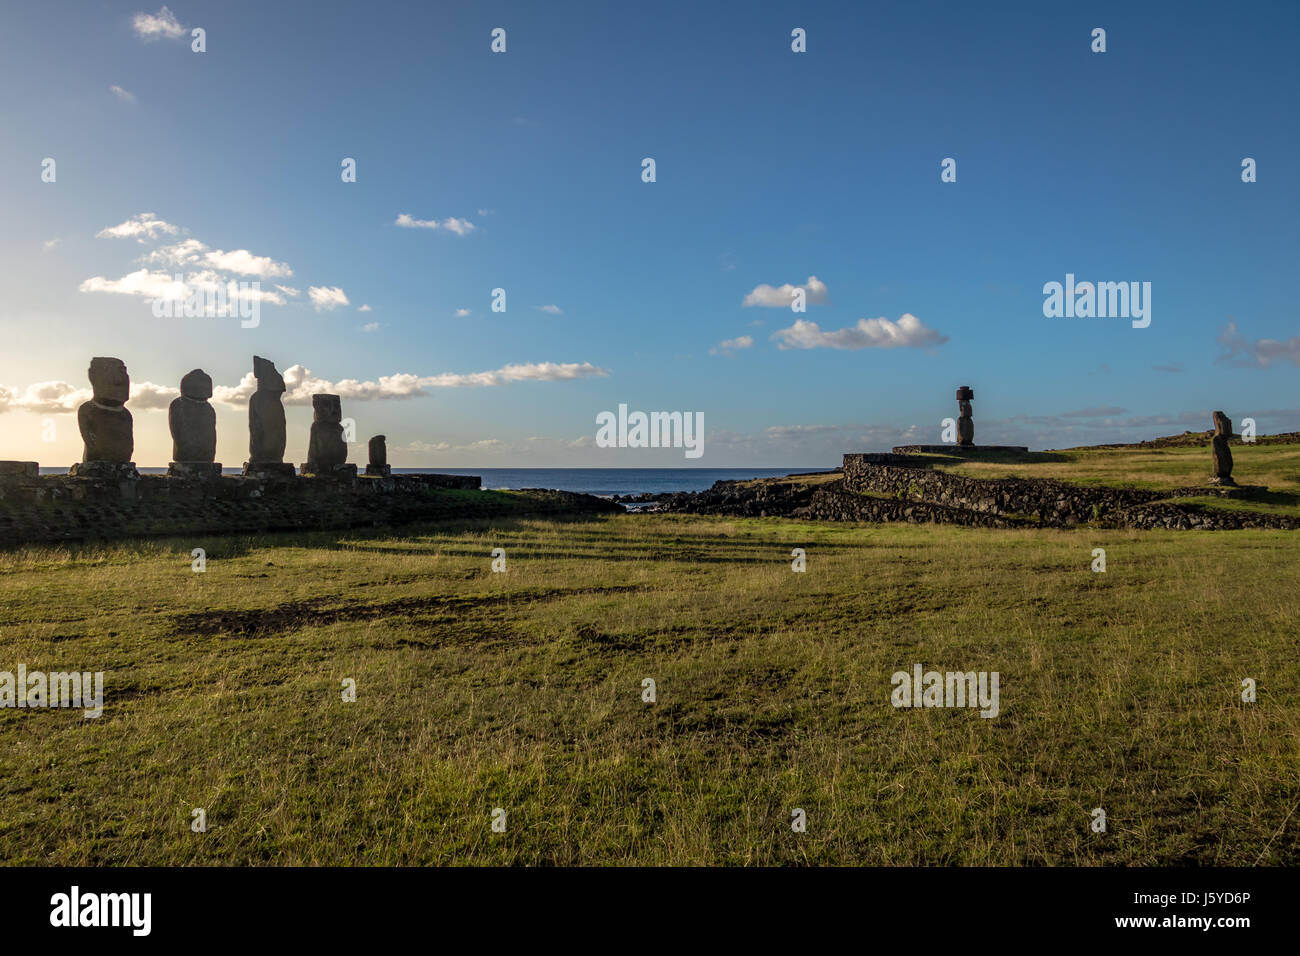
(1219, 446)
(266, 431)
(266, 427)
(194, 430)
(327, 447)
(106, 431)
(104, 421)
(193, 421)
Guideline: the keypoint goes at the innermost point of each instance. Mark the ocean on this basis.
(591, 481)
(613, 481)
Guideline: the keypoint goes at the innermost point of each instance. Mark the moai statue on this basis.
(193, 424)
(1219, 448)
(965, 424)
(266, 431)
(106, 424)
(379, 457)
(327, 452)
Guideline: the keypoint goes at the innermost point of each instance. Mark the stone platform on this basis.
(194, 470)
(966, 451)
(53, 509)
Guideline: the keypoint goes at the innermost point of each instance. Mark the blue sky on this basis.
(771, 167)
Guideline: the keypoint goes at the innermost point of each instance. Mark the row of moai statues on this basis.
(107, 430)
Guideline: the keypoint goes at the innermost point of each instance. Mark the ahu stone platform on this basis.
(61, 509)
(965, 451)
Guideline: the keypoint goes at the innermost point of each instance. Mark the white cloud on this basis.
(799, 431)
(907, 332)
(487, 212)
(370, 327)
(154, 26)
(142, 282)
(815, 293)
(244, 263)
(57, 398)
(459, 226)
(141, 227)
(183, 253)
(43, 398)
(728, 346)
(327, 298)
(365, 308)
(407, 222)
(193, 267)
(1099, 412)
(49, 244)
(239, 261)
(146, 396)
(461, 313)
(301, 384)
(551, 309)
(122, 94)
(166, 287)
(1261, 353)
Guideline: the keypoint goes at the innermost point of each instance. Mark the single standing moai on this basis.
(266, 431)
(327, 452)
(1219, 448)
(193, 424)
(106, 424)
(378, 464)
(965, 424)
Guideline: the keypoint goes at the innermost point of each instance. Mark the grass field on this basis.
(523, 690)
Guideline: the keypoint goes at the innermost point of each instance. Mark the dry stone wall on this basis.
(60, 509)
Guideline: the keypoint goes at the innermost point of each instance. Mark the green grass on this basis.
(522, 690)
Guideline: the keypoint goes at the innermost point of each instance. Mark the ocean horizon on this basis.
(591, 481)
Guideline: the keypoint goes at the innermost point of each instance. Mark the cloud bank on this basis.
(57, 397)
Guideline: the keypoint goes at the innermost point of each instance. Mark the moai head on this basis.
(109, 381)
(197, 386)
(965, 394)
(1222, 425)
(379, 450)
(268, 379)
(327, 409)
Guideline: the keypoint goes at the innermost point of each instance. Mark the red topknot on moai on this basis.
(965, 424)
